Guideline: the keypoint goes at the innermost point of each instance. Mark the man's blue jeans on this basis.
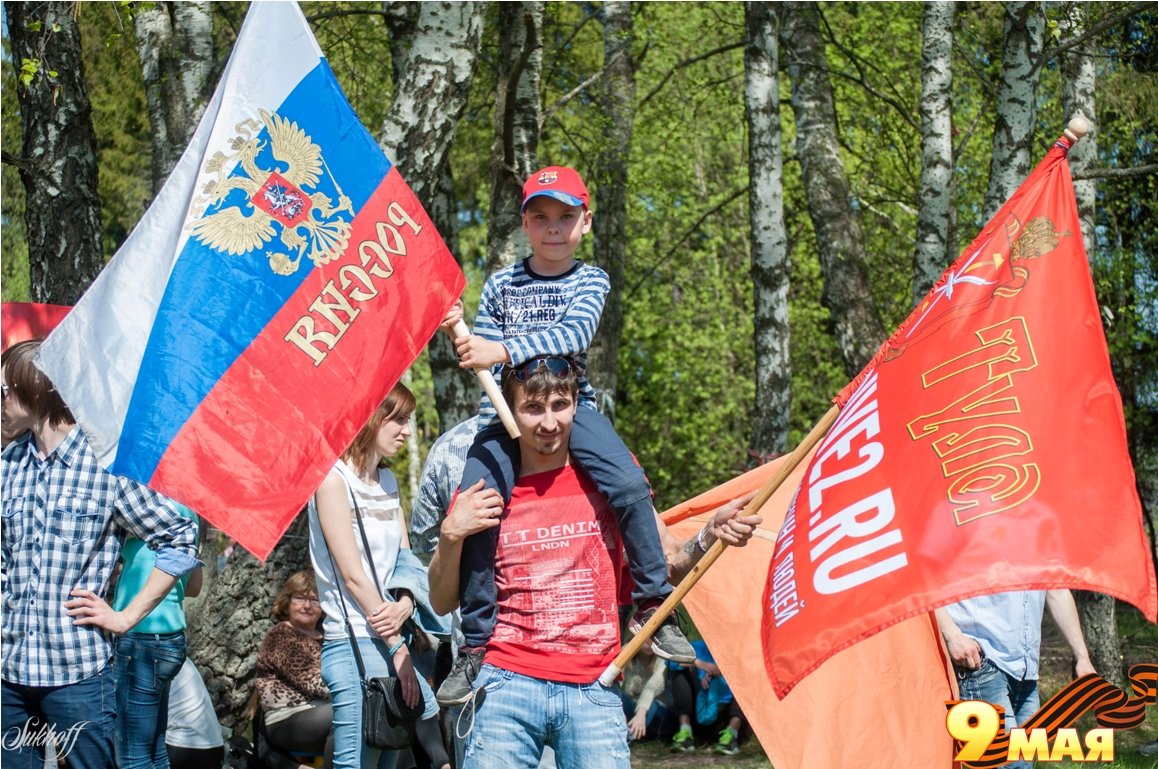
(80, 716)
(519, 715)
(145, 666)
(991, 684)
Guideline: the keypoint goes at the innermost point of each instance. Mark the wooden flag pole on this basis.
(716, 550)
(491, 388)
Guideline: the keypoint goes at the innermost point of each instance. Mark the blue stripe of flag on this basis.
(215, 303)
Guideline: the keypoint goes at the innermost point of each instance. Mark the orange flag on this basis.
(983, 449)
(880, 703)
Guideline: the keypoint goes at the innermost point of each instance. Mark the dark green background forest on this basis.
(685, 393)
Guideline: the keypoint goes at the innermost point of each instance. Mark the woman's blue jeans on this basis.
(340, 672)
(145, 666)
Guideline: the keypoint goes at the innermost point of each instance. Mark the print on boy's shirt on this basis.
(534, 307)
(555, 574)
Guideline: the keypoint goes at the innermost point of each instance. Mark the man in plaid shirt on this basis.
(64, 520)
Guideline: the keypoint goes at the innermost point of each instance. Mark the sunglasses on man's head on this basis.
(560, 367)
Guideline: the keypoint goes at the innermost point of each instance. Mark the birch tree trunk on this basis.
(847, 292)
(518, 112)
(456, 391)
(1016, 111)
(934, 250)
(175, 48)
(770, 274)
(435, 48)
(430, 91)
(610, 226)
(1078, 98)
(58, 163)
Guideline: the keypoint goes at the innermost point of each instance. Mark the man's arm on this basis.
(475, 509)
(87, 608)
(1065, 614)
(963, 650)
(728, 523)
(440, 476)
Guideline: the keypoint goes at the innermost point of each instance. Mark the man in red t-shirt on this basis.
(556, 571)
(557, 559)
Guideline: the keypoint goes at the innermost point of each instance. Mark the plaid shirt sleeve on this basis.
(64, 520)
(155, 520)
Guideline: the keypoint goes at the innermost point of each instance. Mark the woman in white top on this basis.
(376, 615)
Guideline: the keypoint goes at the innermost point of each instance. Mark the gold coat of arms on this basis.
(281, 193)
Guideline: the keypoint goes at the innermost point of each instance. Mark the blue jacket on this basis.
(410, 574)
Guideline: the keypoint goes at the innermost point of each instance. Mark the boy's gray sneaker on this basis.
(669, 641)
(457, 687)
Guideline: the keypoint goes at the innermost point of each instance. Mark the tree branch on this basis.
(862, 81)
(668, 252)
(566, 44)
(347, 12)
(687, 63)
(1093, 31)
(21, 164)
(1116, 173)
(550, 113)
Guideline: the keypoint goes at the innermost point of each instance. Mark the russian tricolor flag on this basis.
(278, 287)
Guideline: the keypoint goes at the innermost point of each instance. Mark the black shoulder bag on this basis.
(387, 721)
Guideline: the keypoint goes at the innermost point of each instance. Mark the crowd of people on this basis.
(519, 555)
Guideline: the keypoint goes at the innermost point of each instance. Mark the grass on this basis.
(1139, 641)
(655, 754)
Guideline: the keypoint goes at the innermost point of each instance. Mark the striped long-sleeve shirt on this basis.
(535, 315)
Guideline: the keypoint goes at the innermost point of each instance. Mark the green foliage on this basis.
(686, 394)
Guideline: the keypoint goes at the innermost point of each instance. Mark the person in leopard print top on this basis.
(294, 700)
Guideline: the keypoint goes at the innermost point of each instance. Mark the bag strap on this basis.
(337, 576)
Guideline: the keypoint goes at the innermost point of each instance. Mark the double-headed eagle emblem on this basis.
(239, 222)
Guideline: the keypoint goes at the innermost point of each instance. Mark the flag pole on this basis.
(716, 550)
(491, 388)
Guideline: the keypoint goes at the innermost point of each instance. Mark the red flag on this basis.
(878, 704)
(21, 321)
(983, 449)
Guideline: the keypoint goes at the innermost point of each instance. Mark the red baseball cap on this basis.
(557, 182)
